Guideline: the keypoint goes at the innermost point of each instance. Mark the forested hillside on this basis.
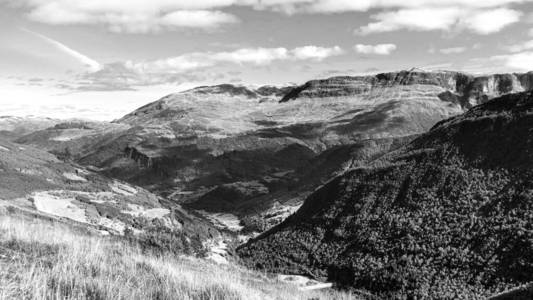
(447, 216)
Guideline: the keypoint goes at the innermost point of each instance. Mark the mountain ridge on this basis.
(467, 89)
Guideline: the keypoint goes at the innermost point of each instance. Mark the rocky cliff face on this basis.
(143, 160)
(469, 90)
(446, 216)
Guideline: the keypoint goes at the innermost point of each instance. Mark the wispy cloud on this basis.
(91, 64)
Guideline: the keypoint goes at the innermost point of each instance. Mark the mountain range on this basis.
(268, 147)
(407, 184)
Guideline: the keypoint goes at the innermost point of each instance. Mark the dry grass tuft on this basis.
(44, 260)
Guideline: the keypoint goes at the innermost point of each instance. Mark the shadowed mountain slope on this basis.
(35, 182)
(447, 216)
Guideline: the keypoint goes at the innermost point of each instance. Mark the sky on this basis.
(100, 59)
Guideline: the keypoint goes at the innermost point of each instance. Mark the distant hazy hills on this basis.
(446, 216)
(14, 127)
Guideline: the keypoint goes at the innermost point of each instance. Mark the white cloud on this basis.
(522, 61)
(338, 6)
(528, 45)
(442, 18)
(490, 21)
(142, 22)
(332, 6)
(133, 16)
(254, 56)
(412, 19)
(453, 50)
(156, 15)
(315, 53)
(130, 6)
(380, 49)
(197, 18)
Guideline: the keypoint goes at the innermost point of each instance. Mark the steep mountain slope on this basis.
(37, 183)
(447, 216)
(261, 145)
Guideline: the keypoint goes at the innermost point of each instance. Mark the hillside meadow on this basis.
(44, 259)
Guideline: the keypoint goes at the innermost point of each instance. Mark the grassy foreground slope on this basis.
(447, 216)
(41, 259)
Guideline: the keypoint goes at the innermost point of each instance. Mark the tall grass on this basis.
(44, 260)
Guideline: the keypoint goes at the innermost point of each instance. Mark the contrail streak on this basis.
(91, 64)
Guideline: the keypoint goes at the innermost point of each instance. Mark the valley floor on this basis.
(44, 259)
